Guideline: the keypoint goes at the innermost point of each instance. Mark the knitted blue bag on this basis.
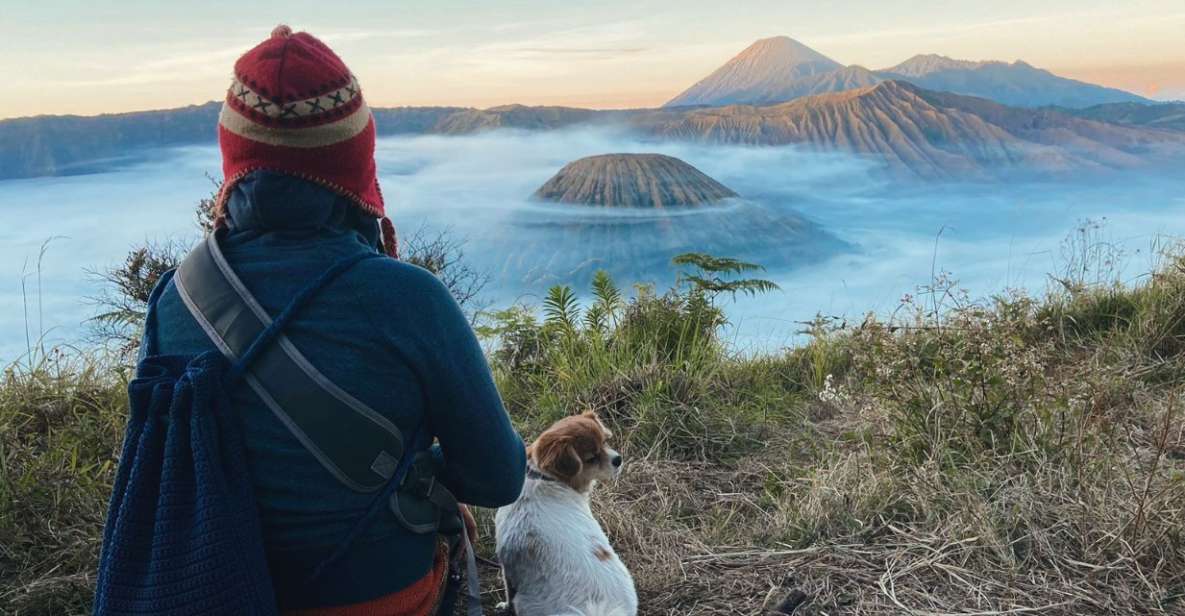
(183, 535)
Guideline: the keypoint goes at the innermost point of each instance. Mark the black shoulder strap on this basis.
(358, 446)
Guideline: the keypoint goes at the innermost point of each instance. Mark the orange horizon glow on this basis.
(1164, 82)
(1158, 81)
(104, 58)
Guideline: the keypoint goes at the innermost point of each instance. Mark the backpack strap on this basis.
(357, 445)
(149, 346)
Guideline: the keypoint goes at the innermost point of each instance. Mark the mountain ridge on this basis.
(926, 63)
(1165, 116)
(774, 77)
(929, 134)
(56, 145)
(1017, 84)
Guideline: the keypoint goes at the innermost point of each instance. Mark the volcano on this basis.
(633, 180)
(770, 65)
(780, 69)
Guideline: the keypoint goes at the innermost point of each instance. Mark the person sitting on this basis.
(300, 193)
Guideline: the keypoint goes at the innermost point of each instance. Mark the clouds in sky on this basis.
(81, 58)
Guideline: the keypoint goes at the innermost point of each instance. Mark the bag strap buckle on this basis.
(425, 485)
(420, 480)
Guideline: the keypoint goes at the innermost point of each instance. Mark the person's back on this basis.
(387, 333)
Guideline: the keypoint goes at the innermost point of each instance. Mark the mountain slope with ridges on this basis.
(838, 80)
(926, 63)
(1017, 84)
(1166, 116)
(780, 69)
(928, 134)
(931, 134)
(767, 65)
(632, 180)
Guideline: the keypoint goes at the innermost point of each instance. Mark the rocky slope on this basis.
(632, 180)
(926, 63)
(511, 116)
(467, 120)
(1017, 84)
(1165, 116)
(923, 133)
(839, 80)
(67, 145)
(636, 212)
(780, 69)
(769, 65)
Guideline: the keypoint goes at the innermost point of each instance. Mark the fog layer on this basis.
(837, 237)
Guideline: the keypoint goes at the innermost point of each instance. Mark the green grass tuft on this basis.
(1014, 455)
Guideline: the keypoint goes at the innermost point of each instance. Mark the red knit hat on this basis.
(294, 108)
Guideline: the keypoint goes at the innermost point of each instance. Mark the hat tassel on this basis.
(390, 241)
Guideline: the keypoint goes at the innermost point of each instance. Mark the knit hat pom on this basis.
(293, 107)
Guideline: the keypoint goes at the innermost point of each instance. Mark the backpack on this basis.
(183, 535)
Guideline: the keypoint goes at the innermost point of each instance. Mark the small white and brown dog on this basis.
(556, 559)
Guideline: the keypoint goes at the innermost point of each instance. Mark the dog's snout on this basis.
(616, 459)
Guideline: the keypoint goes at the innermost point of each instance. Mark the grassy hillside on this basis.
(1006, 456)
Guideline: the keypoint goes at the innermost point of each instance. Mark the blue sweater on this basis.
(392, 336)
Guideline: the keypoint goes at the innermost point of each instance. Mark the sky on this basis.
(88, 57)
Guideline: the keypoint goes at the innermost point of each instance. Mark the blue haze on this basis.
(875, 239)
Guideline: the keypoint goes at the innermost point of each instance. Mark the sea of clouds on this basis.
(839, 237)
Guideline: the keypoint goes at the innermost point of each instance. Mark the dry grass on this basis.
(1003, 457)
(61, 422)
(855, 536)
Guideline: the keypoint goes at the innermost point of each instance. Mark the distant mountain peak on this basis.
(783, 49)
(779, 69)
(926, 63)
(769, 64)
(1017, 83)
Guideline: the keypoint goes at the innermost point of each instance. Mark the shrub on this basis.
(444, 255)
(651, 365)
(124, 301)
(974, 383)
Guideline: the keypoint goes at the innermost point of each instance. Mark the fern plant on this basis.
(711, 275)
(603, 314)
(560, 308)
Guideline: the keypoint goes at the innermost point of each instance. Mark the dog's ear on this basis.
(591, 414)
(558, 457)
